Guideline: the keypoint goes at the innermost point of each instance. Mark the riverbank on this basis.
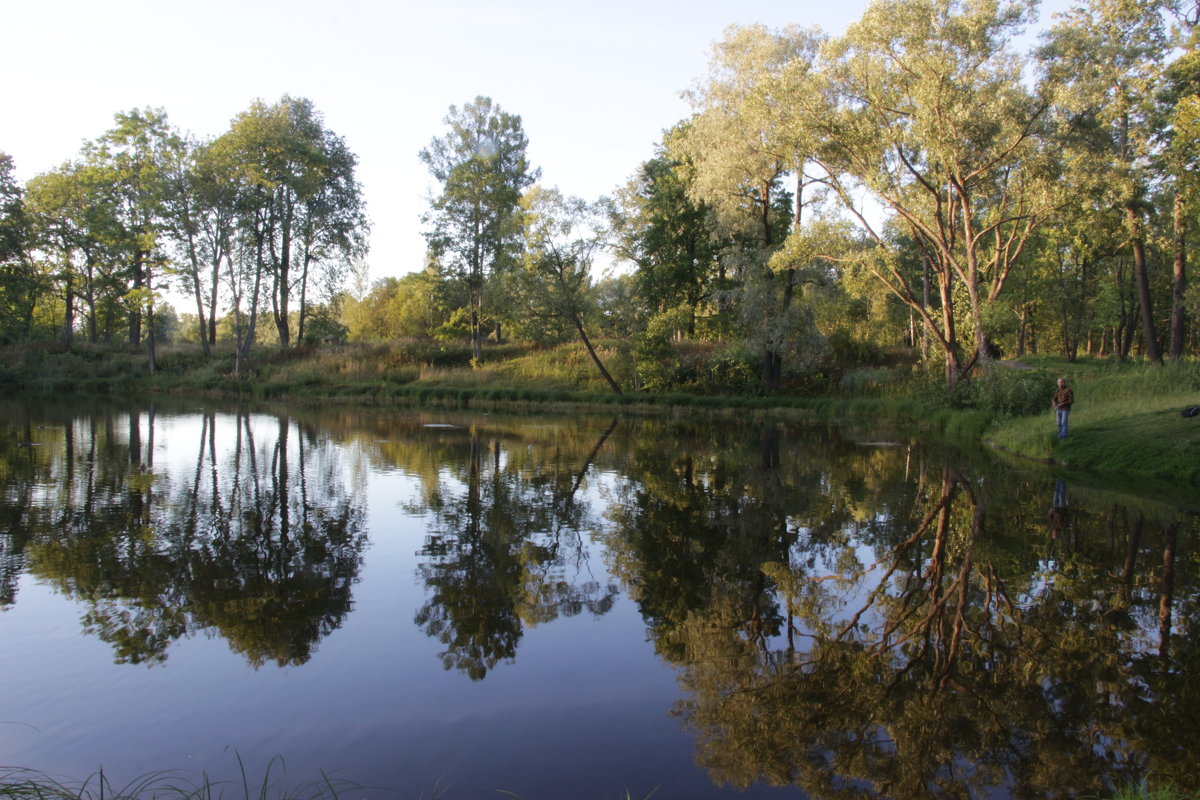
(1126, 422)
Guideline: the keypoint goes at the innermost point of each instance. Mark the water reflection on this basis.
(954, 663)
(500, 546)
(851, 616)
(258, 541)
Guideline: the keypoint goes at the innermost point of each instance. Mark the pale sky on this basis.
(595, 83)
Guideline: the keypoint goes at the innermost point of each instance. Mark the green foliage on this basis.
(701, 367)
(847, 351)
(552, 295)
(744, 225)
(413, 306)
(19, 281)
(866, 381)
(1011, 393)
(1142, 790)
(322, 326)
(666, 234)
(299, 208)
(473, 230)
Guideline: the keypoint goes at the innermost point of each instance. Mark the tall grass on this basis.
(1142, 791)
(23, 784)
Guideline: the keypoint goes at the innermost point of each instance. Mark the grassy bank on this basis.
(1125, 423)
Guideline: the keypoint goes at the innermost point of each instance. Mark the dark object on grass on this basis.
(1190, 411)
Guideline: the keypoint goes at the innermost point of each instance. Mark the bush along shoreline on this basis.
(1126, 422)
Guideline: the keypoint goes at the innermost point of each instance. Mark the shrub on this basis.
(1013, 393)
(848, 352)
(866, 381)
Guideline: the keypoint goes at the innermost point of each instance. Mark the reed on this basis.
(27, 784)
(1142, 790)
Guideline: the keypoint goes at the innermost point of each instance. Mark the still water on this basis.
(456, 603)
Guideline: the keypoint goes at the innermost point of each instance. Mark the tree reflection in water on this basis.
(260, 543)
(957, 661)
(501, 545)
(854, 620)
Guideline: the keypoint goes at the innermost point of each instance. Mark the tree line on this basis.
(258, 221)
(917, 184)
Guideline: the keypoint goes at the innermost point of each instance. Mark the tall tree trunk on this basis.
(151, 349)
(303, 297)
(789, 290)
(202, 322)
(954, 371)
(982, 356)
(926, 302)
(1022, 327)
(476, 290)
(252, 323)
(772, 357)
(477, 328)
(1142, 280)
(197, 290)
(282, 289)
(135, 315)
(68, 331)
(1179, 283)
(1128, 331)
(212, 299)
(89, 297)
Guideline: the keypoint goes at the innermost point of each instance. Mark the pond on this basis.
(458, 603)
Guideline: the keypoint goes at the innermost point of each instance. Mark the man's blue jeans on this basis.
(1061, 414)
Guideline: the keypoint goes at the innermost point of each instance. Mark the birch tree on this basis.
(472, 228)
(134, 157)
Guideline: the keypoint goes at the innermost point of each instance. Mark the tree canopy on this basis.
(915, 188)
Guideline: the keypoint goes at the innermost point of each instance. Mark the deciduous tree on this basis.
(1102, 62)
(133, 159)
(18, 281)
(929, 115)
(472, 228)
(562, 236)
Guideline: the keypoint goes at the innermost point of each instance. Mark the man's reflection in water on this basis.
(1060, 517)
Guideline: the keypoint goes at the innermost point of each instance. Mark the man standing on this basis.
(1063, 398)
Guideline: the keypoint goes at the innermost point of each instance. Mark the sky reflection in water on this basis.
(573, 607)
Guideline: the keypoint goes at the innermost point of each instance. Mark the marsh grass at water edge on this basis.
(26, 784)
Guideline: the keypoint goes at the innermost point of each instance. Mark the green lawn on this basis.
(1126, 421)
